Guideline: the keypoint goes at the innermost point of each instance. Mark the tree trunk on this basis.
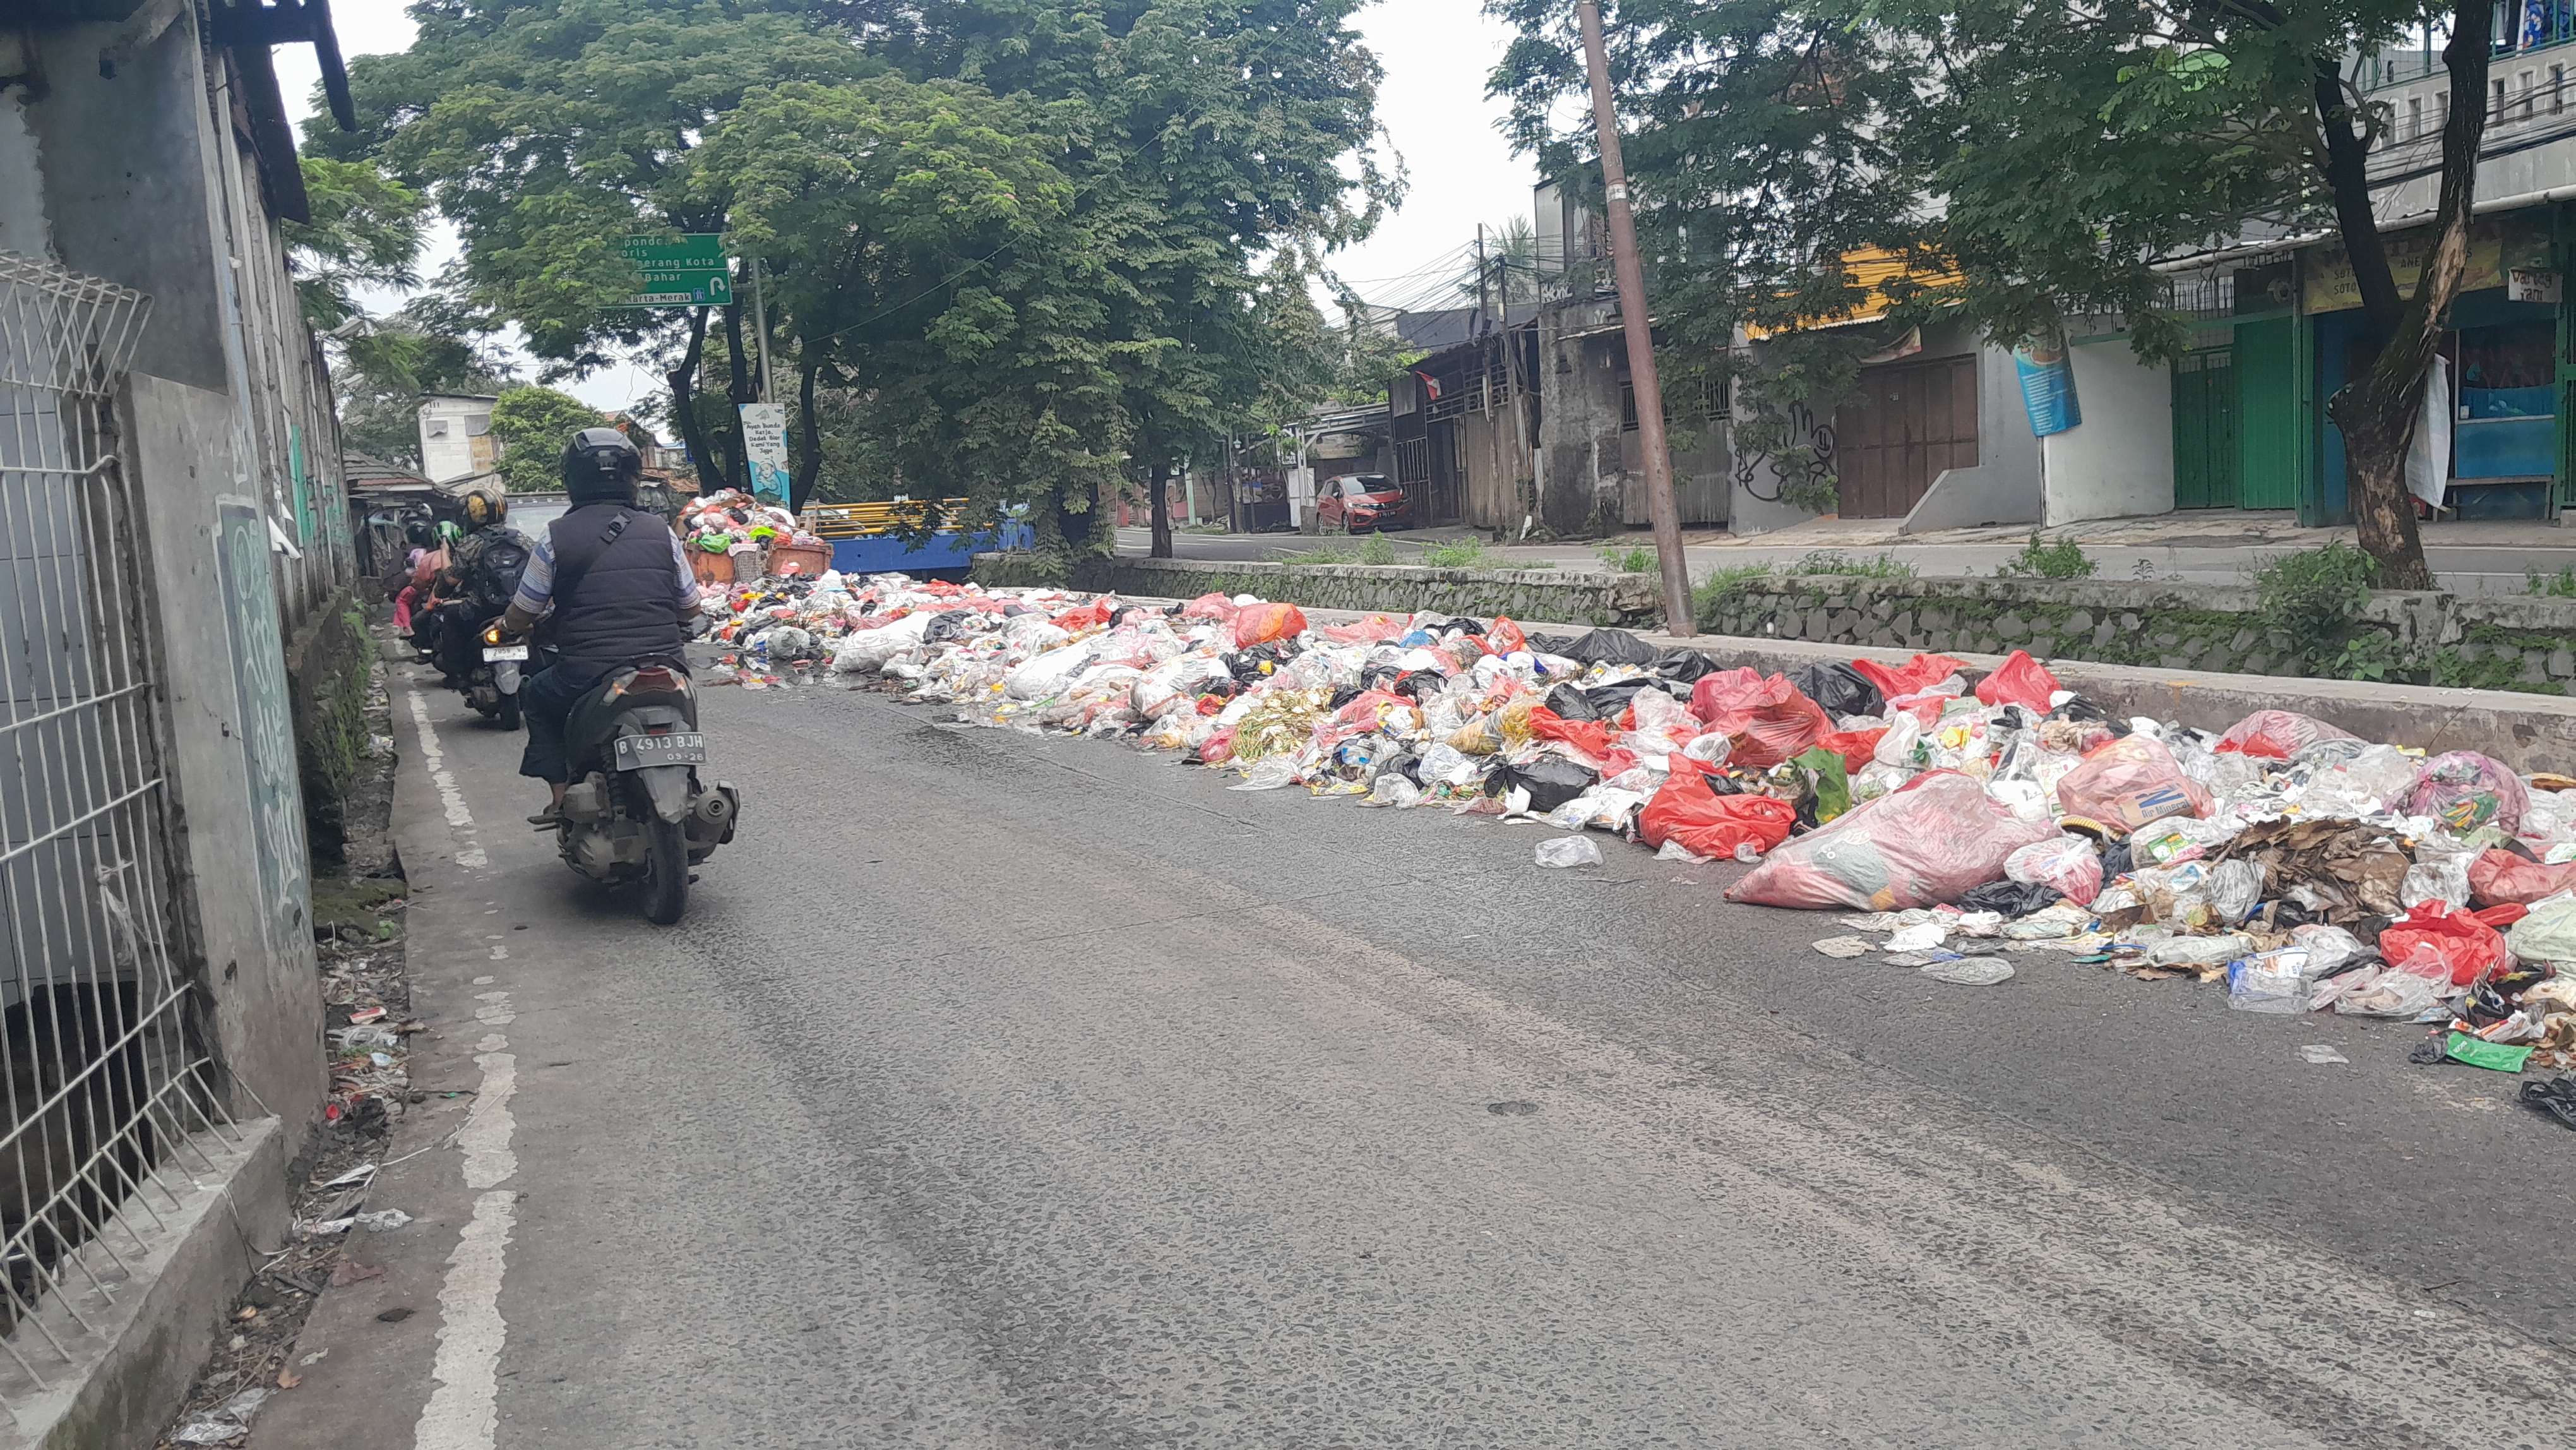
(809, 464)
(2377, 412)
(1162, 495)
(684, 398)
(738, 464)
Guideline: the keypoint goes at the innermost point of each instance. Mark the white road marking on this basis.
(469, 852)
(463, 1412)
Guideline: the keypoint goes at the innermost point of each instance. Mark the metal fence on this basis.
(102, 1084)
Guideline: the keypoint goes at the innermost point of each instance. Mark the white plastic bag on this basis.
(2548, 934)
(1046, 675)
(2436, 875)
(1569, 851)
(867, 651)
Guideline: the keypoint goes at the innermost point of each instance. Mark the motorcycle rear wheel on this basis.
(509, 713)
(666, 880)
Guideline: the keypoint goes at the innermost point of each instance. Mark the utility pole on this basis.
(1678, 615)
(760, 324)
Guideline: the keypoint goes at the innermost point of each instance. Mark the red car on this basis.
(1358, 502)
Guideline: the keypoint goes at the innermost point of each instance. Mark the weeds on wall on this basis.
(2064, 559)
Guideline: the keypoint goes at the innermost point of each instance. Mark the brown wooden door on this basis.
(1911, 421)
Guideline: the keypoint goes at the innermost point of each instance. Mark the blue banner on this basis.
(2047, 387)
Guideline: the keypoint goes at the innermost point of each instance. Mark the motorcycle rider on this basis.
(615, 588)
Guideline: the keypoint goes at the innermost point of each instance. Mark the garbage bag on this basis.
(1504, 637)
(1767, 720)
(2372, 781)
(1911, 678)
(1929, 843)
(1589, 736)
(2013, 899)
(1570, 703)
(2548, 934)
(2278, 734)
(1262, 623)
(2067, 864)
(2465, 790)
(1857, 747)
(2468, 948)
(2497, 877)
(2273, 981)
(2441, 876)
(1569, 851)
(866, 651)
(1840, 689)
(1686, 809)
(1551, 781)
(1606, 647)
(2129, 782)
(1211, 606)
(2019, 680)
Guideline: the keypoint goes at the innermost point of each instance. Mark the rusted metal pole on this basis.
(1631, 272)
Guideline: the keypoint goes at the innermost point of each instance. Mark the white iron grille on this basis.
(102, 1088)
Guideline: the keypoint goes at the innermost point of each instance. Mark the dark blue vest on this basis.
(621, 608)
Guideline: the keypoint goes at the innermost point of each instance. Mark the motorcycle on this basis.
(636, 810)
(492, 687)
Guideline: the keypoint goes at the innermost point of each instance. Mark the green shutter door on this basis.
(2267, 415)
(2204, 430)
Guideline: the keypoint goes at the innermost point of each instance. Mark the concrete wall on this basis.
(1544, 594)
(1580, 466)
(2118, 463)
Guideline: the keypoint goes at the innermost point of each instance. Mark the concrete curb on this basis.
(134, 1374)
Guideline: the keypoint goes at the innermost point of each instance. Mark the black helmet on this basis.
(599, 464)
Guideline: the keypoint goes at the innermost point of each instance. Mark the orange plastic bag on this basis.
(1086, 616)
(2019, 680)
(2130, 782)
(1856, 747)
(1262, 623)
(1592, 737)
(1505, 637)
(1916, 675)
(1709, 824)
(2499, 877)
(2468, 946)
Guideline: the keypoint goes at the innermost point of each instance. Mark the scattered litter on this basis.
(1971, 972)
(225, 1422)
(2554, 1096)
(1845, 947)
(1569, 851)
(2321, 1054)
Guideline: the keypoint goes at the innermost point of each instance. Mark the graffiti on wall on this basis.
(263, 718)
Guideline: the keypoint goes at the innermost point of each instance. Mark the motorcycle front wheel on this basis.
(509, 716)
(666, 880)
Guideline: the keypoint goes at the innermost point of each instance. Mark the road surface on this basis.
(1006, 1091)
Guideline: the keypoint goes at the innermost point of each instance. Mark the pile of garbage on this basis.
(1965, 814)
(730, 520)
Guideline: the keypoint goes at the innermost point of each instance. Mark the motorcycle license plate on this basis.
(634, 752)
(495, 652)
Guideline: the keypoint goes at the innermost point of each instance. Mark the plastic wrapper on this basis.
(1914, 677)
(1687, 811)
(2273, 981)
(2277, 734)
(2068, 865)
(2465, 790)
(1922, 846)
(2441, 876)
(2019, 680)
(2467, 948)
(2370, 782)
(2497, 877)
(2130, 782)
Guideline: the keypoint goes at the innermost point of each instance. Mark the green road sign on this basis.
(691, 271)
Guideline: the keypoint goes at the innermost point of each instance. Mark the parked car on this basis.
(1358, 502)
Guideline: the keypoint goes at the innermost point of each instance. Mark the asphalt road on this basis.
(1008, 1091)
(2211, 558)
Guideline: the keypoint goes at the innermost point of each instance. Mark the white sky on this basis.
(1437, 54)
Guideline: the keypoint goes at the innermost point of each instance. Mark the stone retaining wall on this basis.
(1537, 594)
(2441, 639)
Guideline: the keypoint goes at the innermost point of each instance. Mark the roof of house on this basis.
(363, 472)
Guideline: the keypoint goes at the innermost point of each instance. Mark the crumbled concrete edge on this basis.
(137, 1372)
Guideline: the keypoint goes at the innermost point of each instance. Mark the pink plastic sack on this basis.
(2498, 877)
(1209, 606)
(2067, 865)
(2277, 734)
(1372, 630)
(1927, 844)
(1725, 692)
(2019, 680)
(2465, 790)
(2130, 782)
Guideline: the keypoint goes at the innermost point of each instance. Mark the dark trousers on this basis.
(546, 699)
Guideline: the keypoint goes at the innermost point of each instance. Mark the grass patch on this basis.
(1466, 553)
(1378, 550)
(1327, 554)
(2064, 559)
(2561, 585)
(1885, 566)
(1630, 559)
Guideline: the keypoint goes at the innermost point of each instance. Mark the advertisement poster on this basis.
(764, 445)
(2047, 387)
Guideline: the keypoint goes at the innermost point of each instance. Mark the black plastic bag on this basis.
(1684, 665)
(1609, 701)
(1840, 689)
(1570, 703)
(1607, 647)
(1551, 781)
(2014, 899)
(1345, 695)
(2115, 860)
(1420, 685)
(948, 625)
(1403, 763)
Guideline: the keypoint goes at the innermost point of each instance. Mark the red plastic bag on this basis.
(2277, 734)
(1917, 674)
(1262, 623)
(2129, 782)
(2497, 877)
(2468, 946)
(1854, 746)
(1927, 844)
(2019, 680)
(1217, 749)
(1768, 724)
(1209, 606)
(1505, 637)
(1589, 736)
(1372, 630)
(1086, 616)
(1709, 824)
(1725, 692)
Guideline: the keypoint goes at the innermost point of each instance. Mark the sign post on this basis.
(691, 271)
(764, 446)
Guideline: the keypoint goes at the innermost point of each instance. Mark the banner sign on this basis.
(764, 446)
(2047, 387)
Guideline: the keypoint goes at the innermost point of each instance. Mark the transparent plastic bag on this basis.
(1569, 851)
(2069, 865)
(2235, 888)
(2465, 790)
(2273, 981)
(2441, 876)
(2130, 782)
(1927, 844)
(2373, 781)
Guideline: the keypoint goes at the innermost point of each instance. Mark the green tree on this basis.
(532, 425)
(2012, 163)
(381, 367)
(365, 231)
